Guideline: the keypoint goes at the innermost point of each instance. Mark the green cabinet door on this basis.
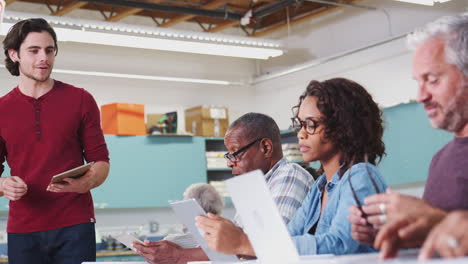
(120, 259)
(149, 171)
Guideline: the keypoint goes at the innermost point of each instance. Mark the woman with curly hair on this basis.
(338, 124)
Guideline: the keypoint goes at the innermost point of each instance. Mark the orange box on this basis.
(123, 119)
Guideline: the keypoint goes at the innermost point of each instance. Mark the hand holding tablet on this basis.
(128, 240)
(73, 173)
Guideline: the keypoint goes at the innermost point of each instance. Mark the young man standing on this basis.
(47, 127)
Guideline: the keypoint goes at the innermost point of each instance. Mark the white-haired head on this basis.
(207, 196)
(453, 29)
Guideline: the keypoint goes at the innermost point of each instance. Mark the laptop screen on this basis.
(262, 222)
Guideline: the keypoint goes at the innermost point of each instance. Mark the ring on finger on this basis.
(452, 242)
(383, 219)
(383, 208)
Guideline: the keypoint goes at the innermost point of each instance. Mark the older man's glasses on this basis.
(374, 184)
(232, 157)
(309, 124)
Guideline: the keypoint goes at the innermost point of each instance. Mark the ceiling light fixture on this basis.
(424, 2)
(135, 36)
(146, 77)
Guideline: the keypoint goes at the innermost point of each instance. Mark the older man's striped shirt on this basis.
(289, 184)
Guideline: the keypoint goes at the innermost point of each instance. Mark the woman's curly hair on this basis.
(352, 120)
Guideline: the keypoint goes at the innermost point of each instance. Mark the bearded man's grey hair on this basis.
(453, 29)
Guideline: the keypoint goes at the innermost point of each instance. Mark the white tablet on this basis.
(128, 240)
(186, 211)
(73, 173)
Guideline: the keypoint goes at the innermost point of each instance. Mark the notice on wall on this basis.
(218, 113)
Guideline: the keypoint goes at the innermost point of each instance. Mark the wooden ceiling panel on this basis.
(67, 8)
(181, 18)
(205, 12)
(8, 2)
(293, 11)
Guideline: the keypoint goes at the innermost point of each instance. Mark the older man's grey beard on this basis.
(456, 113)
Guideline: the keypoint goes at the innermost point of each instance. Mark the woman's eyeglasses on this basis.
(309, 124)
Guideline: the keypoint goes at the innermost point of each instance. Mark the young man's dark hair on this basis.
(18, 33)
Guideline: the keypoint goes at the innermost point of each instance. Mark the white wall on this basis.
(352, 28)
(384, 69)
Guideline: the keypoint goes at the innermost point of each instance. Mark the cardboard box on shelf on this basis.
(207, 121)
(123, 119)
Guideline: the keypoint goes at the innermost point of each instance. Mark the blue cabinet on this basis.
(149, 171)
(3, 201)
(410, 143)
(120, 258)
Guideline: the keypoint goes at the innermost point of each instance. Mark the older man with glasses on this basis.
(253, 142)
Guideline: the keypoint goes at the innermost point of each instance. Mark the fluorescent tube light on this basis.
(424, 2)
(117, 34)
(145, 77)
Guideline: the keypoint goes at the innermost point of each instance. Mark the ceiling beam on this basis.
(327, 2)
(236, 8)
(312, 15)
(68, 8)
(123, 14)
(127, 12)
(223, 26)
(272, 8)
(181, 18)
(229, 24)
(9, 2)
(297, 21)
(169, 8)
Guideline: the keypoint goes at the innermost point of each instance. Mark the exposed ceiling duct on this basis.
(169, 8)
(254, 17)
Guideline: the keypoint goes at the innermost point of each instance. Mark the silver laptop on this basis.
(262, 222)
